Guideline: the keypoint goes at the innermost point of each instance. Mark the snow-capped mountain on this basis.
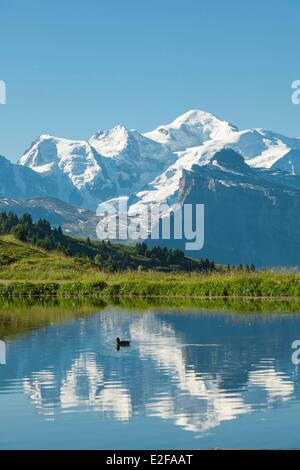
(261, 148)
(74, 166)
(148, 168)
(205, 131)
(191, 129)
(111, 163)
(52, 155)
(131, 159)
(122, 162)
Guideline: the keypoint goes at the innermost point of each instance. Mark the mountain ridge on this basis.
(148, 168)
(120, 161)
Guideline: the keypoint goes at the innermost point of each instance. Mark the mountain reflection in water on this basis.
(193, 370)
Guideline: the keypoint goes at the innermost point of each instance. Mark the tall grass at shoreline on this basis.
(153, 284)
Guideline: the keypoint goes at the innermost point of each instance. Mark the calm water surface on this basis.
(189, 380)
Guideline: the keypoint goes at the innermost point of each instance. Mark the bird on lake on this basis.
(122, 343)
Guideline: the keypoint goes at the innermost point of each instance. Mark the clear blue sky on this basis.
(73, 67)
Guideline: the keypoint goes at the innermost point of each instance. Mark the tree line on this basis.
(104, 254)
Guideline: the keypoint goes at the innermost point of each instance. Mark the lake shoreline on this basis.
(260, 286)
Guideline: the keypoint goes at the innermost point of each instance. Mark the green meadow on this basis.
(29, 271)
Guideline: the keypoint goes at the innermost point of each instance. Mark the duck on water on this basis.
(122, 343)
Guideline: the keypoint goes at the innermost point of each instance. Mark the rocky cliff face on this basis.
(251, 216)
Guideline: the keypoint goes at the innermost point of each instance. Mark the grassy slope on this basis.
(25, 262)
(22, 262)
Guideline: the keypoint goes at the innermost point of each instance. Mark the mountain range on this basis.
(173, 163)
